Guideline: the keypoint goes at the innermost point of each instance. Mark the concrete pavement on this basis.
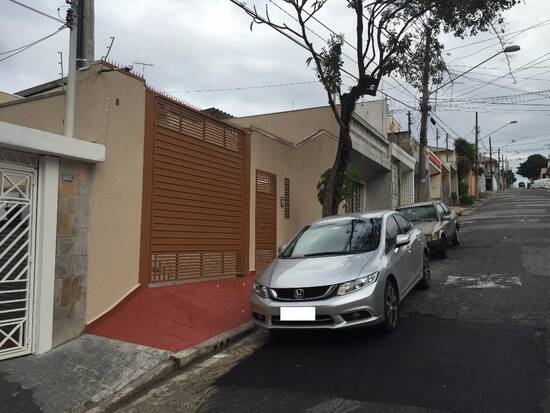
(477, 341)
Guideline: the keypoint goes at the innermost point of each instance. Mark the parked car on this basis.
(541, 183)
(437, 222)
(343, 271)
(521, 185)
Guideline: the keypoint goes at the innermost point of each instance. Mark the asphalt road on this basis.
(477, 341)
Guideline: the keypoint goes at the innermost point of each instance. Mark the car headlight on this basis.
(428, 237)
(261, 290)
(357, 284)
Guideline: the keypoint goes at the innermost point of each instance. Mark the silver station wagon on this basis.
(343, 271)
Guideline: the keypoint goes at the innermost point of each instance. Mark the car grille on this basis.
(302, 294)
(320, 320)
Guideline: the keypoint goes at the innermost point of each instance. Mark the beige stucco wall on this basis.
(8, 97)
(303, 165)
(115, 198)
(435, 187)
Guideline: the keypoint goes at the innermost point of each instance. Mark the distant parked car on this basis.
(541, 183)
(343, 271)
(521, 185)
(437, 222)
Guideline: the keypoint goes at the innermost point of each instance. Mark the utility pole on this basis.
(447, 145)
(70, 94)
(85, 30)
(491, 162)
(424, 109)
(436, 138)
(409, 122)
(499, 170)
(477, 156)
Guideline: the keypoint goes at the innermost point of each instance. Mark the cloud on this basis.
(207, 44)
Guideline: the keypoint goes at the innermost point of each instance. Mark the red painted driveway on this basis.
(174, 318)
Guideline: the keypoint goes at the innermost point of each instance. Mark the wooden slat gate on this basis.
(266, 219)
(198, 196)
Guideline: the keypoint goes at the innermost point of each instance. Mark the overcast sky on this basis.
(200, 45)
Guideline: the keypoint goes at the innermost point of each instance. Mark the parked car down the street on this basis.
(343, 271)
(521, 185)
(541, 183)
(437, 222)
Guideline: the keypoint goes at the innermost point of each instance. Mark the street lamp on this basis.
(508, 49)
(502, 127)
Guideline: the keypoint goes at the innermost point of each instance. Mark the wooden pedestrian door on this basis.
(17, 196)
(266, 219)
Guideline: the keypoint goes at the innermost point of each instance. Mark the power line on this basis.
(38, 11)
(28, 46)
(248, 87)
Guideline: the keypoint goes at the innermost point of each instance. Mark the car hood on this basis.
(427, 227)
(314, 271)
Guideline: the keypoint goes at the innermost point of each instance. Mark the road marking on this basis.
(482, 281)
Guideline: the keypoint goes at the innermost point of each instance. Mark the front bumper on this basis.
(360, 308)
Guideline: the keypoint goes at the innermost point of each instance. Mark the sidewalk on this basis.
(145, 338)
(68, 378)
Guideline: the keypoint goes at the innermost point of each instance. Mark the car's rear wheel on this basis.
(391, 307)
(443, 247)
(426, 280)
(456, 238)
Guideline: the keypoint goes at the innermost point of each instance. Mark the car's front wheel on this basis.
(391, 307)
(426, 280)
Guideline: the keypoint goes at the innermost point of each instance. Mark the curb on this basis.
(471, 210)
(178, 361)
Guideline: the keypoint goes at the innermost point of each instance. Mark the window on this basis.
(391, 233)
(404, 224)
(287, 198)
(445, 208)
(440, 210)
(420, 213)
(357, 201)
(336, 238)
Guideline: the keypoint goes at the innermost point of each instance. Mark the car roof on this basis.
(350, 216)
(419, 204)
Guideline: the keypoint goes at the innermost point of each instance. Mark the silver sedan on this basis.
(343, 271)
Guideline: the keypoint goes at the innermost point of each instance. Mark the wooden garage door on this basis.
(266, 219)
(199, 196)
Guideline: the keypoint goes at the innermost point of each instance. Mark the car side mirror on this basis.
(402, 240)
(281, 249)
(446, 218)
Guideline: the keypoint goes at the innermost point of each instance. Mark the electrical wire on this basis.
(29, 45)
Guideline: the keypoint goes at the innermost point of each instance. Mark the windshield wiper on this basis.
(317, 254)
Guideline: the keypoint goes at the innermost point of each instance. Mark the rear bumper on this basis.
(360, 308)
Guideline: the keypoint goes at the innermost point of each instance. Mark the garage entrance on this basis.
(17, 221)
(198, 192)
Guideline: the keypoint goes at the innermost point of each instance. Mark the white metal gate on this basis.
(17, 215)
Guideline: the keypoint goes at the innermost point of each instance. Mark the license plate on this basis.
(297, 313)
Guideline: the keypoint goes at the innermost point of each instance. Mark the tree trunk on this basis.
(424, 109)
(331, 202)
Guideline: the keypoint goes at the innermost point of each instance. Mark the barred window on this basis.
(357, 201)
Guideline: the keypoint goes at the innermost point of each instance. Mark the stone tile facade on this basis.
(72, 250)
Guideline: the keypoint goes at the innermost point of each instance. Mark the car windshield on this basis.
(420, 213)
(335, 238)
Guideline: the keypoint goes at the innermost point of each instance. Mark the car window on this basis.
(440, 210)
(392, 230)
(445, 208)
(336, 238)
(420, 213)
(404, 224)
